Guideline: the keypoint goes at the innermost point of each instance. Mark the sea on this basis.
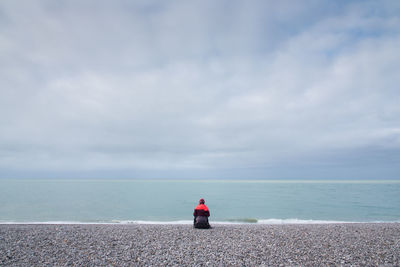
(115, 201)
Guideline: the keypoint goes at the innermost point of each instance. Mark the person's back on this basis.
(201, 214)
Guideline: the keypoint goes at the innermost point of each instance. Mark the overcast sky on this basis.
(200, 89)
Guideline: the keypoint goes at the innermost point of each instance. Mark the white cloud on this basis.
(186, 86)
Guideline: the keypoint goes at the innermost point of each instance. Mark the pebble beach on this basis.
(362, 244)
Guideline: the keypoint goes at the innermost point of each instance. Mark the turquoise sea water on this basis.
(173, 201)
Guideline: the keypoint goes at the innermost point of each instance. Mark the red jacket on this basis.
(201, 210)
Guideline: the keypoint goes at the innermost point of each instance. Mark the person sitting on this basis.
(201, 214)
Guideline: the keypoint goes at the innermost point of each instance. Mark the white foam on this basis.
(189, 222)
(156, 222)
(298, 221)
(55, 222)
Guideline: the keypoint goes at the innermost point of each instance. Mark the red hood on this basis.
(201, 207)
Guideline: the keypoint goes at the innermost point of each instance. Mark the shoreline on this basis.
(190, 222)
(357, 244)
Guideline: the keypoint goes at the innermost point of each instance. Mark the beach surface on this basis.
(364, 244)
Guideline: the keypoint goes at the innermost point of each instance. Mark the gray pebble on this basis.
(181, 245)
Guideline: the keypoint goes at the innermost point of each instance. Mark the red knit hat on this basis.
(201, 201)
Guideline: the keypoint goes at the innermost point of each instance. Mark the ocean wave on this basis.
(189, 222)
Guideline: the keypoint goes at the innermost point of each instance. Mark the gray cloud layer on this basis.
(299, 89)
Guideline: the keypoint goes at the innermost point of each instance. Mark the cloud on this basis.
(234, 89)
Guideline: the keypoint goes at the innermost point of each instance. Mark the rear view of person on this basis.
(201, 214)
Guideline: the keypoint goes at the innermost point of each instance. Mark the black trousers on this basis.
(201, 222)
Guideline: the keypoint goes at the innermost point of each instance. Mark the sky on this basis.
(200, 89)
